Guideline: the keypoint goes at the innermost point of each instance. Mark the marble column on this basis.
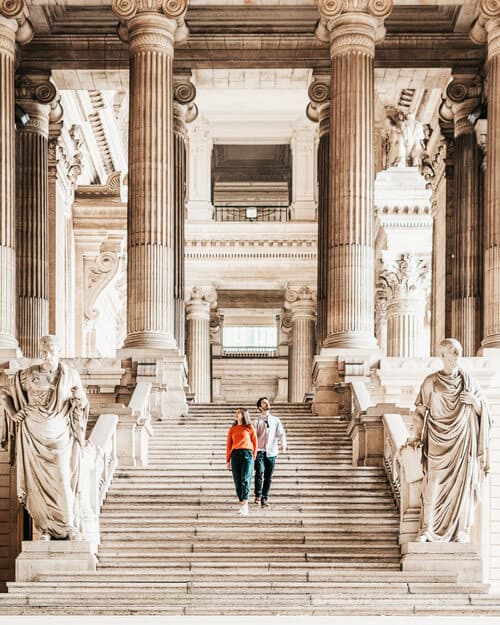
(184, 111)
(150, 26)
(198, 342)
(464, 94)
(353, 27)
(319, 110)
(303, 314)
(405, 278)
(34, 93)
(13, 27)
(487, 28)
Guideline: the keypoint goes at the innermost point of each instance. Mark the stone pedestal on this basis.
(54, 556)
(460, 559)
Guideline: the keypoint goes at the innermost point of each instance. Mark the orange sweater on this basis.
(241, 437)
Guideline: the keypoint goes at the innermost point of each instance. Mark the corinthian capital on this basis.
(16, 9)
(403, 277)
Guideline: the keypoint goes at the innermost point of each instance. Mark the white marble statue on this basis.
(451, 423)
(45, 417)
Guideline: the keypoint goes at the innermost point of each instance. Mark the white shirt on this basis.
(269, 435)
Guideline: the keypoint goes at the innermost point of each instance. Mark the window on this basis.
(249, 340)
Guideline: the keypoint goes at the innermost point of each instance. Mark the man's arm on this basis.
(280, 431)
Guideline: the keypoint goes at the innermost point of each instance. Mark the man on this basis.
(271, 440)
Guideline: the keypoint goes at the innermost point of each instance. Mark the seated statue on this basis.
(45, 418)
(452, 423)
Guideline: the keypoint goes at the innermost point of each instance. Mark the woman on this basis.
(241, 451)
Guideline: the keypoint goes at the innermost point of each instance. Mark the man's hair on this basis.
(445, 344)
(260, 400)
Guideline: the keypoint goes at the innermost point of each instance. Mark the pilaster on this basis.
(198, 342)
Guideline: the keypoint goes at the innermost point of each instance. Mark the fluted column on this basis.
(487, 27)
(319, 110)
(405, 280)
(184, 111)
(35, 93)
(464, 95)
(353, 27)
(303, 313)
(151, 26)
(198, 342)
(13, 26)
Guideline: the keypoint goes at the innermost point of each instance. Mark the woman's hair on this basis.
(245, 416)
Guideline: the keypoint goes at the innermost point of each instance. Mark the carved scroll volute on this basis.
(100, 274)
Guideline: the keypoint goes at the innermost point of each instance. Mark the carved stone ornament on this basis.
(404, 276)
(15, 9)
(127, 9)
(100, 275)
(184, 91)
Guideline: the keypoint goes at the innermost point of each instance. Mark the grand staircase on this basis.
(172, 542)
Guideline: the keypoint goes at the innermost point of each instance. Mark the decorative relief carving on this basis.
(112, 188)
(404, 141)
(42, 91)
(11, 8)
(329, 9)
(184, 91)
(14, 9)
(404, 276)
(100, 275)
(126, 9)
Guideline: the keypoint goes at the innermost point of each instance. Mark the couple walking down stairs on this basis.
(172, 543)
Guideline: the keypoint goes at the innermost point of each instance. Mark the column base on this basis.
(150, 341)
(9, 347)
(351, 340)
(460, 559)
(54, 556)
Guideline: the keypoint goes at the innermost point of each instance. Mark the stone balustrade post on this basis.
(198, 342)
(302, 304)
(352, 28)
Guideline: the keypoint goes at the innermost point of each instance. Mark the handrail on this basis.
(402, 463)
(140, 402)
(97, 469)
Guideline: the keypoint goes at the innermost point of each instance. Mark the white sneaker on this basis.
(243, 510)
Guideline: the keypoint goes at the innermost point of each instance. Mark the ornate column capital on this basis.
(302, 302)
(486, 27)
(318, 109)
(463, 95)
(481, 130)
(201, 302)
(403, 277)
(129, 12)
(16, 12)
(37, 96)
(185, 109)
(352, 25)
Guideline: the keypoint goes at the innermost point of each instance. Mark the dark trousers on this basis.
(264, 467)
(242, 468)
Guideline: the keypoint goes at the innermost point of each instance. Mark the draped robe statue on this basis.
(452, 422)
(45, 417)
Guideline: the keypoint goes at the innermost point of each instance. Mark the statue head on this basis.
(450, 351)
(49, 349)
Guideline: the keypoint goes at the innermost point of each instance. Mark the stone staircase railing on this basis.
(403, 468)
(100, 459)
